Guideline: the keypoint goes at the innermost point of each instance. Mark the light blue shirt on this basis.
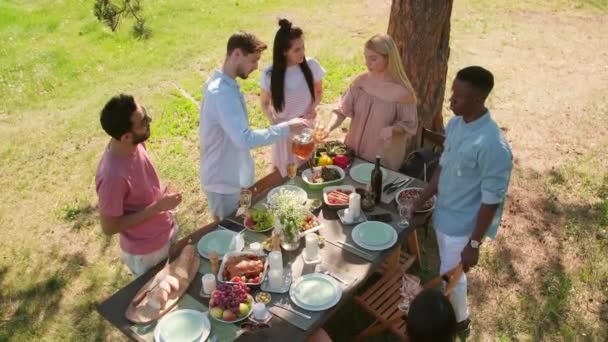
(476, 167)
(226, 139)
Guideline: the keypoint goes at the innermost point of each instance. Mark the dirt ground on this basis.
(551, 82)
(551, 79)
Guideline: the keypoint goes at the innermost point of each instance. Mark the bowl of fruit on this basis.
(259, 220)
(230, 303)
(243, 267)
(337, 196)
(311, 224)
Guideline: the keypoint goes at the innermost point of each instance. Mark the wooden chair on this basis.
(382, 298)
(436, 141)
(397, 258)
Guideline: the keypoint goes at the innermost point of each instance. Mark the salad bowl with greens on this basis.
(259, 220)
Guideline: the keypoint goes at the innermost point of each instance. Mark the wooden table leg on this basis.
(392, 260)
(413, 246)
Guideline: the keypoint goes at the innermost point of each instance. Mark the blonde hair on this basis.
(383, 44)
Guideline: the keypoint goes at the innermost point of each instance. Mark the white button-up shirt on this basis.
(226, 139)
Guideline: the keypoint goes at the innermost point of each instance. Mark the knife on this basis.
(354, 247)
(285, 307)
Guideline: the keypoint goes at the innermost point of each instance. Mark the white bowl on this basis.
(329, 189)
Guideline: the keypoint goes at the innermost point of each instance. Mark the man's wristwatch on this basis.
(474, 244)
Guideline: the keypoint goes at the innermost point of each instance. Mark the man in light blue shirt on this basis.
(471, 181)
(225, 136)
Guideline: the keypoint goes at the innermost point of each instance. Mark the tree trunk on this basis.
(421, 29)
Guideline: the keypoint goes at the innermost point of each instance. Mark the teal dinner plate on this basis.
(315, 292)
(362, 173)
(183, 325)
(374, 235)
(218, 240)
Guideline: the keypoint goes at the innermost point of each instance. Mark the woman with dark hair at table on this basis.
(291, 87)
(431, 318)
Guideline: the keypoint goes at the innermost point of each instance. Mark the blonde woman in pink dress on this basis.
(291, 87)
(381, 104)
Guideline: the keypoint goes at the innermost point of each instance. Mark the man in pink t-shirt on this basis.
(131, 201)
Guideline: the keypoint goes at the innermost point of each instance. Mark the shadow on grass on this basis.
(82, 216)
(37, 304)
(546, 314)
(79, 215)
(544, 308)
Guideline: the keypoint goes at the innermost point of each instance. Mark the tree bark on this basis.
(421, 29)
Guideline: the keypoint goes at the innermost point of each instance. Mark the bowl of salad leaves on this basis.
(259, 220)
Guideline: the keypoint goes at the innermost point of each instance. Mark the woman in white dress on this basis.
(291, 87)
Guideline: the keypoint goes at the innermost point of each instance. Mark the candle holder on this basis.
(311, 251)
(275, 278)
(208, 285)
(275, 260)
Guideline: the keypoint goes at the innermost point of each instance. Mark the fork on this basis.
(391, 183)
(336, 277)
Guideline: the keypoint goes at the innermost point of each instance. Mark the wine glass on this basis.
(405, 212)
(319, 131)
(244, 200)
(292, 170)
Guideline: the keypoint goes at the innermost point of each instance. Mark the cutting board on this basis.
(184, 268)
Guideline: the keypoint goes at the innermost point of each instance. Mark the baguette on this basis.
(173, 282)
(183, 262)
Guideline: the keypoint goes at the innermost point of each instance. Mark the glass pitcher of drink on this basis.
(303, 144)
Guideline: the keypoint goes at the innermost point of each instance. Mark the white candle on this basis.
(312, 246)
(255, 247)
(354, 204)
(208, 283)
(348, 215)
(275, 278)
(275, 260)
(259, 311)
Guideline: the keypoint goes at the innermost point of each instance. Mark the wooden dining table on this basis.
(344, 261)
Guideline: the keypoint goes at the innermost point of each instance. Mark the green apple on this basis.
(249, 300)
(243, 309)
(217, 312)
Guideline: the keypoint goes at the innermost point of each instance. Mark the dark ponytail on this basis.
(282, 43)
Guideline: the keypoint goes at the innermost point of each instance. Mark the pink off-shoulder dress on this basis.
(371, 130)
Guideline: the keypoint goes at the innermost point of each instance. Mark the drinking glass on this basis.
(405, 213)
(244, 200)
(292, 170)
(368, 201)
(319, 131)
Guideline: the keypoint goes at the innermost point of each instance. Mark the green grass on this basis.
(59, 66)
